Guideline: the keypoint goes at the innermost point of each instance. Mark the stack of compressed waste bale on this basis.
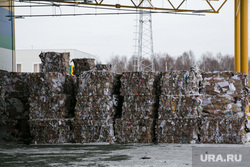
(14, 96)
(81, 65)
(139, 90)
(179, 107)
(95, 107)
(223, 107)
(51, 100)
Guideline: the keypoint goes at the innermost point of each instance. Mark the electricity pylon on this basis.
(144, 55)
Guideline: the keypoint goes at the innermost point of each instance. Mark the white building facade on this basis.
(29, 60)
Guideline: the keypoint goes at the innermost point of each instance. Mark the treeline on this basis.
(163, 62)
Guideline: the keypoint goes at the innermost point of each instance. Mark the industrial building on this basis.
(7, 36)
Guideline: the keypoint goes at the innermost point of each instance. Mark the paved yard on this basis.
(17, 155)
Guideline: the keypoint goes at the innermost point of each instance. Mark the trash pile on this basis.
(139, 91)
(223, 105)
(81, 65)
(179, 107)
(15, 113)
(51, 100)
(95, 107)
(55, 62)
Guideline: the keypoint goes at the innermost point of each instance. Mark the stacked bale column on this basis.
(224, 106)
(179, 107)
(95, 107)
(16, 94)
(51, 101)
(139, 91)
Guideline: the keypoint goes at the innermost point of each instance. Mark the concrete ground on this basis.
(170, 155)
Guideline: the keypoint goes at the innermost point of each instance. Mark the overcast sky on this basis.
(105, 36)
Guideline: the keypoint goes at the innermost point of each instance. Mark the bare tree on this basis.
(164, 62)
(118, 63)
(131, 64)
(226, 62)
(185, 61)
(209, 63)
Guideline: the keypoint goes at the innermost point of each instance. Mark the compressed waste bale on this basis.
(52, 95)
(89, 131)
(180, 82)
(135, 131)
(223, 106)
(55, 62)
(105, 67)
(47, 84)
(177, 130)
(51, 131)
(222, 130)
(81, 65)
(55, 81)
(50, 106)
(220, 83)
(139, 83)
(94, 98)
(93, 107)
(138, 107)
(38, 85)
(16, 84)
(98, 83)
(179, 106)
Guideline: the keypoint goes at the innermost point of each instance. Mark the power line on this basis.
(92, 14)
